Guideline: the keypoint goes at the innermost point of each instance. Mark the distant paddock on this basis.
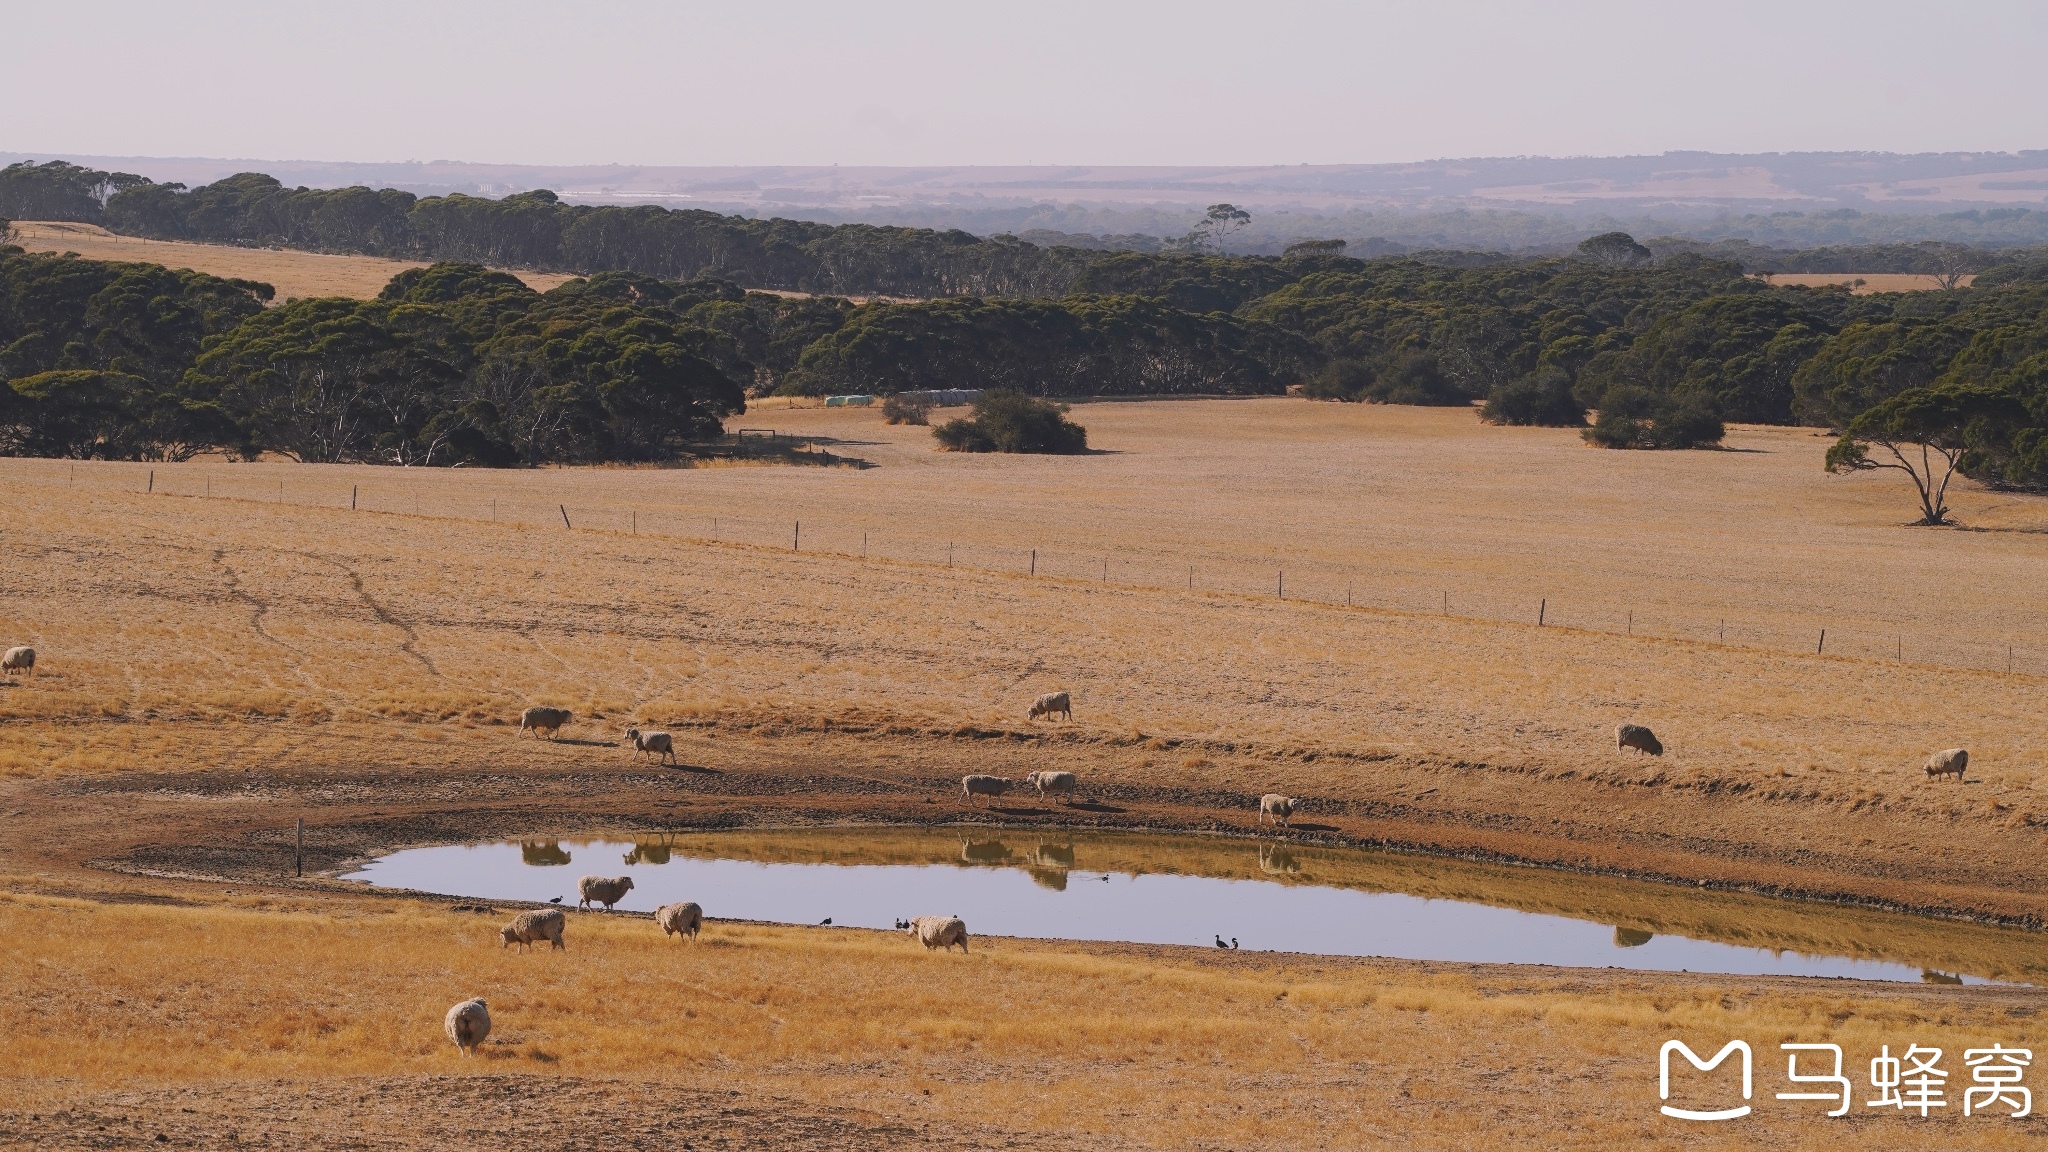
(1863, 283)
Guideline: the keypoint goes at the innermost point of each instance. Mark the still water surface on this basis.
(1166, 890)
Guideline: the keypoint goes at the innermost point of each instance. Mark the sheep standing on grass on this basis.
(657, 744)
(18, 660)
(534, 927)
(1947, 762)
(1639, 738)
(539, 720)
(1050, 703)
(606, 890)
(468, 1023)
(683, 918)
(1277, 807)
(939, 932)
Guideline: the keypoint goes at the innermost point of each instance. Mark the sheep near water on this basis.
(939, 932)
(683, 918)
(468, 1023)
(989, 786)
(534, 927)
(606, 890)
(1279, 808)
(1064, 783)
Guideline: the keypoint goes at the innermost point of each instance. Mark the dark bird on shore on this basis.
(556, 900)
(1233, 943)
(825, 921)
(1220, 943)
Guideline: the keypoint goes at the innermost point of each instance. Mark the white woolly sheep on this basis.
(468, 1023)
(533, 927)
(683, 918)
(606, 890)
(656, 744)
(939, 932)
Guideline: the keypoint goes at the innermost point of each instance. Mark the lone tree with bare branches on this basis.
(1948, 263)
(1927, 433)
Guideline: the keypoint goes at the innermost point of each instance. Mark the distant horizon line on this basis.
(74, 156)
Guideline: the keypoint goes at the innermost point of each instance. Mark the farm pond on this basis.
(1261, 895)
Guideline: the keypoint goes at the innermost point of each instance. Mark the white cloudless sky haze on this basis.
(1048, 82)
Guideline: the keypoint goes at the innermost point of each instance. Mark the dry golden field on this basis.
(1865, 283)
(220, 655)
(293, 273)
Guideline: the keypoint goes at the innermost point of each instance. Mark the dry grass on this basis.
(183, 636)
(1158, 1049)
(1865, 283)
(166, 607)
(293, 273)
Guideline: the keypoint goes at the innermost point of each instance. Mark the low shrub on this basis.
(1632, 417)
(1007, 421)
(907, 408)
(1542, 399)
(1398, 378)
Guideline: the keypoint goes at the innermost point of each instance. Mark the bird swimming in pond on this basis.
(825, 921)
(556, 900)
(1220, 943)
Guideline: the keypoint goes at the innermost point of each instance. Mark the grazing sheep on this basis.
(1948, 762)
(1279, 807)
(657, 744)
(1062, 782)
(682, 918)
(939, 932)
(534, 927)
(990, 786)
(18, 660)
(538, 720)
(1637, 737)
(606, 890)
(468, 1023)
(1050, 703)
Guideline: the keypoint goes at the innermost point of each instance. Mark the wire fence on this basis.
(1154, 565)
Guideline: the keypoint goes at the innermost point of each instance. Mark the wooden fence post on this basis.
(1034, 561)
(797, 537)
(565, 516)
(1822, 646)
(1542, 607)
(351, 497)
(299, 849)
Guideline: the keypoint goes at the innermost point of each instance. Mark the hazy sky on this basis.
(1044, 82)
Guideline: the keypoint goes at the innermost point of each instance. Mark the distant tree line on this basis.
(452, 364)
(456, 364)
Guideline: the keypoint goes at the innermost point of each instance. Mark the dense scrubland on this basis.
(455, 364)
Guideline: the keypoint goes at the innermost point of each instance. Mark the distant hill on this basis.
(1793, 199)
